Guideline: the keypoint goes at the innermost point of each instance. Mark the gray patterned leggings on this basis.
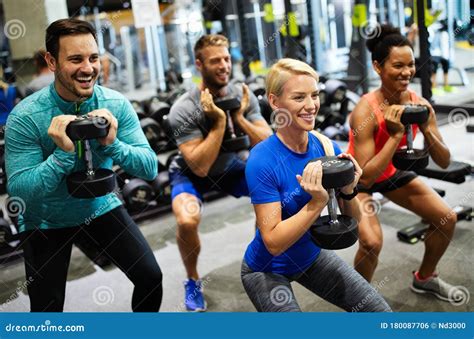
(328, 277)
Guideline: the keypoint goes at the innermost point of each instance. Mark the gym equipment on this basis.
(93, 182)
(154, 134)
(415, 233)
(412, 234)
(409, 158)
(332, 91)
(138, 107)
(162, 187)
(337, 132)
(136, 193)
(232, 142)
(455, 173)
(171, 96)
(168, 134)
(336, 103)
(170, 159)
(265, 109)
(5, 231)
(335, 231)
(157, 109)
(3, 174)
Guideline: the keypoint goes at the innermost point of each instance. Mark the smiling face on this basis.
(398, 70)
(215, 66)
(300, 97)
(77, 66)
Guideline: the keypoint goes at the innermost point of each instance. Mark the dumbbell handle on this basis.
(230, 125)
(88, 158)
(409, 137)
(332, 205)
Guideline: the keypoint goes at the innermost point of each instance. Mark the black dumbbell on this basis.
(171, 96)
(157, 109)
(162, 187)
(410, 158)
(335, 231)
(137, 194)
(257, 88)
(265, 109)
(327, 116)
(138, 107)
(154, 134)
(93, 182)
(337, 132)
(5, 232)
(3, 174)
(333, 91)
(170, 159)
(168, 134)
(232, 142)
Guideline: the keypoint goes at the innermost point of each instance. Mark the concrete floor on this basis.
(226, 229)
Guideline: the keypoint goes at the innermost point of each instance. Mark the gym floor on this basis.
(224, 238)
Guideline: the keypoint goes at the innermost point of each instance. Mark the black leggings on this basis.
(48, 252)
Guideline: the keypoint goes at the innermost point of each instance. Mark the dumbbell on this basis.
(265, 109)
(157, 109)
(93, 182)
(171, 96)
(136, 193)
(337, 132)
(410, 158)
(5, 232)
(154, 134)
(170, 159)
(3, 174)
(335, 231)
(328, 116)
(232, 142)
(257, 88)
(168, 133)
(138, 107)
(162, 187)
(332, 91)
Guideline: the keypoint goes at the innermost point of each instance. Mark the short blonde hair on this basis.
(282, 70)
(209, 40)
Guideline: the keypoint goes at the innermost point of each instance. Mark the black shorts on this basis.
(435, 61)
(399, 179)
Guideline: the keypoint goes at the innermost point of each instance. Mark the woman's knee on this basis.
(146, 272)
(446, 223)
(371, 245)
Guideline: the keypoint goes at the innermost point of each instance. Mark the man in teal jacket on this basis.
(39, 157)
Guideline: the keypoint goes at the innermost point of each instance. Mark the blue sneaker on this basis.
(193, 297)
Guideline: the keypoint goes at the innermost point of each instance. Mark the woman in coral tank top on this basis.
(376, 133)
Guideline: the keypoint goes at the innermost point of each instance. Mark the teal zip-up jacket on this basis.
(37, 169)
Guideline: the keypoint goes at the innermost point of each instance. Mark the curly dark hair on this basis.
(382, 39)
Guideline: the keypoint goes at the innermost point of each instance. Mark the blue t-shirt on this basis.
(7, 102)
(271, 176)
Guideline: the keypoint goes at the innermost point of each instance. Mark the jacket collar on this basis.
(71, 107)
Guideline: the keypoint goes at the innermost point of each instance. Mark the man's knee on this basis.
(187, 223)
